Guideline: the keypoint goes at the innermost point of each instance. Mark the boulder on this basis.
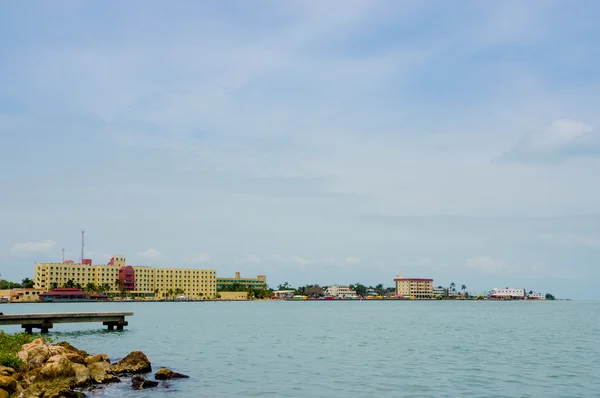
(56, 367)
(134, 362)
(6, 371)
(82, 375)
(3, 394)
(75, 358)
(166, 374)
(70, 348)
(101, 373)
(8, 384)
(139, 383)
(35, 353)
(96, 358)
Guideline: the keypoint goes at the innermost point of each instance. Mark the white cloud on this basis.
(561, 139)
(28, 248)
(300, 260)
(352, 260)
(423, 261)
(276, 257)
(198, 258)
(253, 258)
(152, 254)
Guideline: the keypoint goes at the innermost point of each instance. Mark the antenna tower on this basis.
(82, 245)
(63, 255)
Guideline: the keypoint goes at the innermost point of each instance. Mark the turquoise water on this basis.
(353, 349)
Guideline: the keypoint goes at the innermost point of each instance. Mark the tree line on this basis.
(25, 283)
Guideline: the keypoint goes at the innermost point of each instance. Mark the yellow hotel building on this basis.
(140, 281)
(418, 288)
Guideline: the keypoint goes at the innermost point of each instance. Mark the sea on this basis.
(350, 349)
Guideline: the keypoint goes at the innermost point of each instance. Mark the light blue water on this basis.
(353, 349)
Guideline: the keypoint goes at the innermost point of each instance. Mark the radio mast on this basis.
(82, 246)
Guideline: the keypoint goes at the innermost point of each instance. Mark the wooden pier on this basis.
(44, 322)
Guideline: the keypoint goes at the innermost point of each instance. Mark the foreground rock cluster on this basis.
(63, 371)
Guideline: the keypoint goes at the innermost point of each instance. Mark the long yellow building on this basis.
(419, 288)
(139, 281)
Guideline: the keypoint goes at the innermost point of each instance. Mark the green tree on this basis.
(360, 289)
(463, 288)
(155, 294)
(54, 285)
(200, 295)
(550, 297)
(8, 285)
(453, 286)
(27, 283)
(90, 288)
(69, 284)
(284, 286)
(170, 293)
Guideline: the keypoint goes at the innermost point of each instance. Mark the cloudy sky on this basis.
(312, 141)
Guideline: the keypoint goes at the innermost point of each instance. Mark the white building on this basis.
(440, 291)
(508, 292)
(536, 296)
(340, 292)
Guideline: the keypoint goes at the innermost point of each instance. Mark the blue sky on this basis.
(313, 141)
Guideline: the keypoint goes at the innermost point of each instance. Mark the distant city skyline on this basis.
(306, 141)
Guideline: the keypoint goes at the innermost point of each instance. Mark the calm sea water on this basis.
(353, 349)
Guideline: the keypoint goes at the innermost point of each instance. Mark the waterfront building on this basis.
(21, 295)
(260, 282)
(418, 288)
(508, 293)
(440, 291)
(71, 294)
(137, 281)
(340, 292)
(283, 294)
(536, 296)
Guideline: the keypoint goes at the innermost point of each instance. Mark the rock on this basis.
(139, 383)
(101, 373)
(82, 375)
(70, 348)
(56, 350)
(35, 353)
(134, 362)
(56, 367)
(6, 371)
(8, 384)
(3, 394)
(96, 358)
(166, 374)
(75, 358)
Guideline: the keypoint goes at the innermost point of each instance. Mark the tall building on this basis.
(259, 282)
(140, 281)
(414, 287)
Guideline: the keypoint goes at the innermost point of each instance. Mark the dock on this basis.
(44, 322)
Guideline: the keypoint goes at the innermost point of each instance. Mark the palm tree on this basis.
(453, 286)
(463, 288)
(200, 295)
(170, 293)
(155, 294)
(90, 287)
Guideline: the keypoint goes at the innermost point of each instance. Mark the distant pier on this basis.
(44, 322)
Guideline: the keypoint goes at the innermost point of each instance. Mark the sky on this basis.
(319, 142)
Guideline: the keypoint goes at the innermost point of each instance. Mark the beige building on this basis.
(138, 281)
(417, 288)
(21, 295)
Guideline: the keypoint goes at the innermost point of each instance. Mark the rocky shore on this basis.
(63, 371)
